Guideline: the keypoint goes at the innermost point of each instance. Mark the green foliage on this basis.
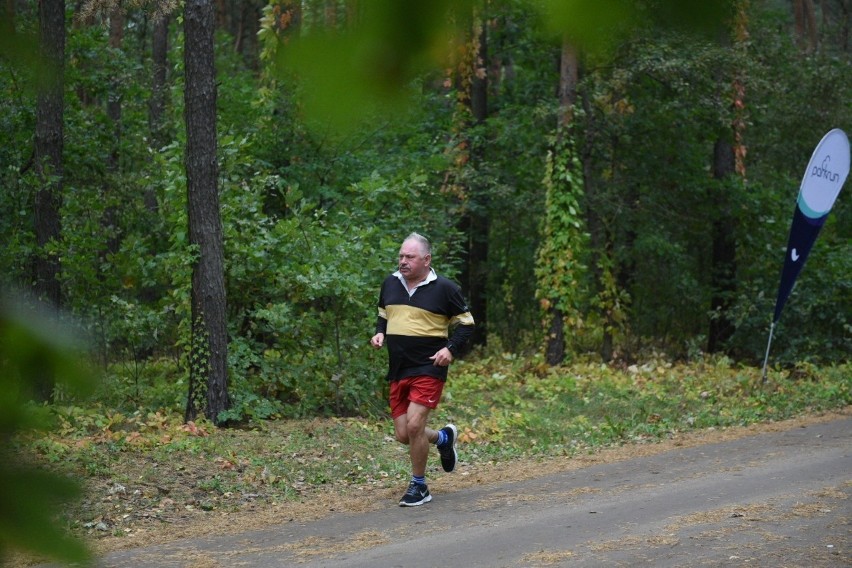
(648, 134)
(561, 266)
(35, 351)
(610, 303)
(312, 215)
(509, 189)
(29, 494)
(308, 285)
(377, 59)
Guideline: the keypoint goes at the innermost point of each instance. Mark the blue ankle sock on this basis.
(442, 437)
(419, 479)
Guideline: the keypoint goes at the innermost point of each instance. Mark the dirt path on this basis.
(769, 495)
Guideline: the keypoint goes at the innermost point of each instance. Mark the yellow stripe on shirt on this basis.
(408, 320)
(462, 319)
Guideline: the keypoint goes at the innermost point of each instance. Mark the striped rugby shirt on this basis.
(417, 326)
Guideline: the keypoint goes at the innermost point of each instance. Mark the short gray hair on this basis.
(424, 242)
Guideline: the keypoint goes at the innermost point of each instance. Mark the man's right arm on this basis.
(381, 323)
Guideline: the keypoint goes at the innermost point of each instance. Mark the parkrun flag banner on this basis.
(824, 176)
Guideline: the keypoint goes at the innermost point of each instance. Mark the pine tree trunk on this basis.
(723, 271)
(479, 222)
(208, 359)
(110, 218)
(805, 17)
(157, 104)
(7, 26)
(49, 132)
(728, 154)
(49, 146)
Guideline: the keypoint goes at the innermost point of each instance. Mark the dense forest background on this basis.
(606, 182)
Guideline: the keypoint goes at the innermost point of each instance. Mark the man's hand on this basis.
(378, 340)
(442, 358)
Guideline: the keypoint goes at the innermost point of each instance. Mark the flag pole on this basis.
(766, 358)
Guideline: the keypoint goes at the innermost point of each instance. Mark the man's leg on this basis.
(410, 428)
(400, 426)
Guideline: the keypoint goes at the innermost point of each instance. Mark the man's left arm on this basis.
(461, 324)
(455, 344)
(459, 338)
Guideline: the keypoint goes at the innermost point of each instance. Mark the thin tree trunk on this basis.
(157, 104)
(208, 359)
(805, 17)
(845, 25)
(724, 265)
(80, 21)
(110, 219)
(471, 86)
(8, 25)
(569, 76)
(222, 15)
(478, 217)
(728, 160)
(330, 14)
(49, 132)
(49, 147)
(116, 37)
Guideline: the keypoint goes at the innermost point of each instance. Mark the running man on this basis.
(425, 322)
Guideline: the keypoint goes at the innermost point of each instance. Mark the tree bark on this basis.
(157, 104)
(472, 86)
(728, 160)
(478, 216)
(49, 134)
(110, 219)
(569, 73)
(8, 24)
(723, 271)
(209, 346)
(805, 17)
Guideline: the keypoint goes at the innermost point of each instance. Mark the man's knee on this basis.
(416, 429)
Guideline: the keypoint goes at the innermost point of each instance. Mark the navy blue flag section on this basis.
(824, 177)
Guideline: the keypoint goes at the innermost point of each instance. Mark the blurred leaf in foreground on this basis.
(368, 67)
(34, 347)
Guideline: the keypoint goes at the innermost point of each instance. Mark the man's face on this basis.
(413, 264)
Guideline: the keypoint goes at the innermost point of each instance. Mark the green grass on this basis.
(522, 407)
